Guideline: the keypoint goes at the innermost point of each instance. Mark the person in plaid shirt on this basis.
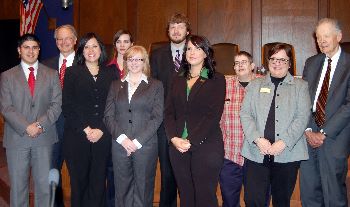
(231, 175)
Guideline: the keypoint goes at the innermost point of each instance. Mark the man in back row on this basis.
(66, 38)
(165, 64)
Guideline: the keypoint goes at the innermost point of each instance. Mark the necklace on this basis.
(195, 76)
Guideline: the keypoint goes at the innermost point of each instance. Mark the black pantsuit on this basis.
(84, 101)
(258, 178)
(197, 170)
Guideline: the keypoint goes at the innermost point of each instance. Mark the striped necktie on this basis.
(320, 115)
(177, 61)
(63, 71)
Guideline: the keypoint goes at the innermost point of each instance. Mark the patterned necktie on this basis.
(63, 71)
(177, 61)
(31, 81)
(320, 115)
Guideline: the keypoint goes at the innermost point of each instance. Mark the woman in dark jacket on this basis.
(193, 111)
(86, 143)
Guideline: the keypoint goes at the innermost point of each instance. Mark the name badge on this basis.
(265, 90)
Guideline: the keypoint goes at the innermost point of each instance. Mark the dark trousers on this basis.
(231, 179)
(323, 177)
(87, 164)
(110, 193)
(280, 176)
(197, 174)
(57, 160)
(168, 189)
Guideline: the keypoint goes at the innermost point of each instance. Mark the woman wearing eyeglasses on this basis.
(134, 111)
(274, 116)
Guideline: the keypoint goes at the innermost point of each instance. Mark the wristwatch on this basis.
(39, 125)
(323, 132)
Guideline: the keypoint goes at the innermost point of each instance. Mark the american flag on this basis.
(29, 13)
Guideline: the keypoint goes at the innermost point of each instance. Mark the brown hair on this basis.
(179, 18)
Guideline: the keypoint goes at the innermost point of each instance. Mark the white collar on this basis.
(143, 78)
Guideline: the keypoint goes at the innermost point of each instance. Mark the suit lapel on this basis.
(139, 91)
(196, 87)
(23, 81)
(123, 93)
(338, 74)
(318, 70)
(39, 81)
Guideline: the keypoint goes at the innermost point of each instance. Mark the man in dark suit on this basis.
(322, 180)
(66, 38)
(165, 63)
(30, 101)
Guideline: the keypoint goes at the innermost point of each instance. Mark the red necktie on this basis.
(320, 115)
(31, 81)
(63, 71)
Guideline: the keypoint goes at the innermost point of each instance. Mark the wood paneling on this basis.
(339, 9)
(9, 9)
(226, 21)
(291, 22)
(102, 17)
(152, 18)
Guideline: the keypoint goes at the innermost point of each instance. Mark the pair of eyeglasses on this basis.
(136, 60)
(278, 60)
(242, 63)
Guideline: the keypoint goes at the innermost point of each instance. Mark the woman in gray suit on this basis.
(134, 111)
(274, 115)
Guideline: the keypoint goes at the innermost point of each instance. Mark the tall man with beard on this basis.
(165, 63)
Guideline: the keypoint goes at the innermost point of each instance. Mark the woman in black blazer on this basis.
(86, 142)
(134, 111)
(193, 111)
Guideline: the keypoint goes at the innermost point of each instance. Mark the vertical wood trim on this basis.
(76, 16)
(192, 14)
(256, 7)
(323, 9)
(131, 17)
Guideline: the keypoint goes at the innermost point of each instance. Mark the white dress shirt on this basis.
(69, 58)
(26, 70)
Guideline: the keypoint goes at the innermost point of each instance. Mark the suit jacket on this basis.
(201, 112)
(162, 66)
(20, 109)
(84, 100)
(337, 125)
(54, 61)
(138, 119)
(292, 114)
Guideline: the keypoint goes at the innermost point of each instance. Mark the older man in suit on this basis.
(322, 180)
(66, 38)
(30, 101)
(165, 63)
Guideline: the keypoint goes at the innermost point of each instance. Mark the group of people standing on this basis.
(118, 118)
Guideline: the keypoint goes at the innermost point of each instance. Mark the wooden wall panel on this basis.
(339, 9)
(9, 9)
(226, 21)
(292, 22)
(152, 18)
(102, 17)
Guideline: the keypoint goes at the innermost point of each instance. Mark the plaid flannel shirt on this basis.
(230, 122)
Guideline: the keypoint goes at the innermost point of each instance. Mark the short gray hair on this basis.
(333, 22)
(66, 26)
